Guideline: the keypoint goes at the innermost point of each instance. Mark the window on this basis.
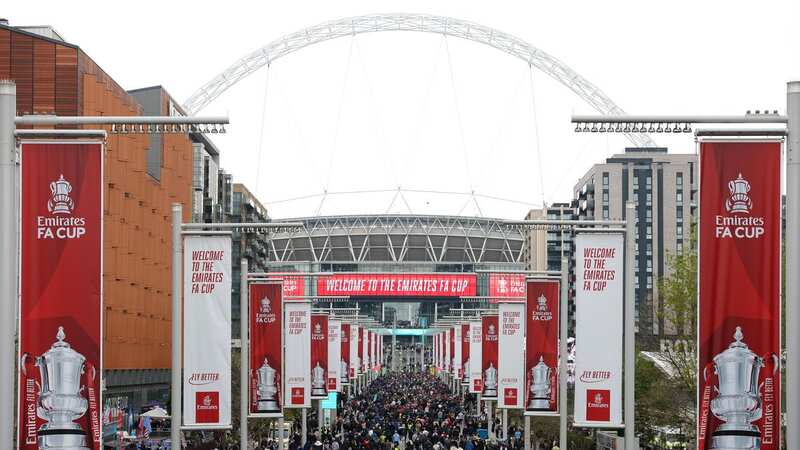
(649, 181)
(679, 197)
(605, 179)
(679, 179)
(649, 231)
(649, 213)
(649, 281)
(679, 231)
(605, 213)
(649, 197)
(605, 197)
(679, 213)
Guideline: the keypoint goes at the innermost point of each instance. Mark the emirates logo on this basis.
(598, 398)
(739, 202)
(60, 202)
(207, 400)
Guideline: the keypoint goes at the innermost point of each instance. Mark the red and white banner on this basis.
(448, 350)
(599, 264)
(506, 285)
(739, 306)
(511, 368)
(207, 331)
(489, 370)
(457, 364)
(464, 351)
(61, 228)
(374, 352)
(345, 334)
(355, 351)
(319, 356)
(266, 349)
(363, 351)
(297, 367)
(476, 357)
(541, 348)
(397, 285)
(334, 355)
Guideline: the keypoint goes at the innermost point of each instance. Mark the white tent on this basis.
(157, 413)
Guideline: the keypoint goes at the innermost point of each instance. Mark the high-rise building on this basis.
(250, 245)
(534, 251)
(664, 188)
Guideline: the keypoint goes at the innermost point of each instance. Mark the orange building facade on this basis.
(54, 77)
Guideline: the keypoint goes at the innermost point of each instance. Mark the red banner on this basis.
(266, 349)
(541, 348)
(506, 285)
(61, 231)
(361, 338)
(489, 356)
(739, 295)
(319, 356)
(465, 352)
(397, 285)
(294, 285)
(346, 369)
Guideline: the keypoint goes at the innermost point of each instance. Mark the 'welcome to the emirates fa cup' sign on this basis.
(598, 336)
(739, 296)
(207, 331)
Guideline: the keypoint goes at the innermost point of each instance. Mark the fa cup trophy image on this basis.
(60, 203)
(318, 381)
(60, 400)
(490, 386)
(267, 384)
(738, 402)
(343, 372)
(540, 387)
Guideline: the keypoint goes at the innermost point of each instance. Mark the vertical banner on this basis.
(489, 361)
(465, 344)
(511, 368)
(266, 349)
(436, 352)
(60, 335)
(541, 348)
(374, 352)
(319, 356)
(355, 351)
(448, 345)
(207, 331)
(739, 307)
(458, 366)
(364, 350)
(344, 371)
(475, 357)
(599, 263)
(297, 366)
(334, 355)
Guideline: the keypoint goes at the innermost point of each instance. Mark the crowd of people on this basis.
(409, 410)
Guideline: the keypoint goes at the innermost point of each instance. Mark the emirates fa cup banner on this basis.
(739, 295)
(355, 351)
(365, 350)
(436, 353)
(61, 232)
(297, 367)
(465, 344)
(511, 368)
(541, 348)
(599, 307)
(489, 360)
(345, 370)
(335, 361)
(319, 356)
(457, 365)
(374, 351)
(266, 349)
(475, 357)
(207, 331)
(448, 350)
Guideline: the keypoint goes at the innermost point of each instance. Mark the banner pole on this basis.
(304, 425)
(630, 338)
(280, 433)
(792, 344)
(562, 354)
(177, 262)
(244, 363)
(527, 438)
(8, 263)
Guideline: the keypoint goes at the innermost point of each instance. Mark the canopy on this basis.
(157, 413)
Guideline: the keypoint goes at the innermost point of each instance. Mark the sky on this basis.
(401, 122)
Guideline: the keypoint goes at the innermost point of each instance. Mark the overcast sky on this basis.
(431, 113)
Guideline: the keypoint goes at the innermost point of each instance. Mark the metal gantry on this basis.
(398, 238)
(425, 23)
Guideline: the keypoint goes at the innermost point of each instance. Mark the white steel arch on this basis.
(410, 22)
